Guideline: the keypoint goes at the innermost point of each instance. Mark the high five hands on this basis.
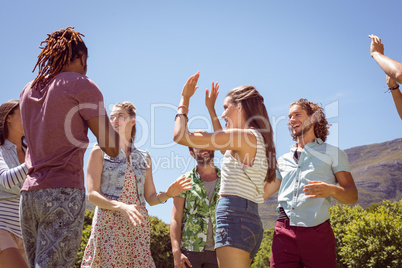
(191, 86)
(210, 98)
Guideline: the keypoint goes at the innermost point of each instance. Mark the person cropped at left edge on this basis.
(119, 187)
(13, 172)
(57, 108)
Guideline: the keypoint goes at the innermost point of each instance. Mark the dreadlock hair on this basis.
(62, 47)
(317, 115)
(257, 117)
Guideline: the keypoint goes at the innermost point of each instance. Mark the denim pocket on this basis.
(251, 231)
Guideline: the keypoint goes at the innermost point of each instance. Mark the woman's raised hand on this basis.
(180, 185)
(210, 98)
(191, 86)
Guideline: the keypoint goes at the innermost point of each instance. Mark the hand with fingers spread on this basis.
(210, 97)
(180, 185)
(191, 86)
(376, 45)
(318, 189)
(131, 213)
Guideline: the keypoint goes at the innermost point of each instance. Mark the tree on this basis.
(89, 214)
(369, 238)
(161, 248)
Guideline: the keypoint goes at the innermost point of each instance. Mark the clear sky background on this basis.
(144, 51)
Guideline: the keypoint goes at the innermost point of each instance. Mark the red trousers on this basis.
(294, 246)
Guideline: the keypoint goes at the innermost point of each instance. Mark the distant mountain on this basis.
(376, 169)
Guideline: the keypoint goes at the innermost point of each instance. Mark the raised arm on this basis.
(390, 66)
(175, 233)
(396, 94)
(94, 172)
(154, 198)
(210, 100)
(9, 177)
(108, 139)
(240, 141)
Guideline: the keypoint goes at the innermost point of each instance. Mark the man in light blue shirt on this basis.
(307, 177)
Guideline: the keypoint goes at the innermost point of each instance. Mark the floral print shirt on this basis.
(198, 211)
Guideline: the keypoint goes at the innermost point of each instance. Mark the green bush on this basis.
(161, 248)
(368, 238)
(263, 257)
(85, 236)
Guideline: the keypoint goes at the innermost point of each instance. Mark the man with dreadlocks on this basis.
(307, 177)
(57, 108)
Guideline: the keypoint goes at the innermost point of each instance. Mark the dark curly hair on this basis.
(317, 115)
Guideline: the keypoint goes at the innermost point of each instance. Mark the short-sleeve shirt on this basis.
(198, 212)
(55, 118)
(318, 161)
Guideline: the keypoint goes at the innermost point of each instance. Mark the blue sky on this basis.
(144, 51)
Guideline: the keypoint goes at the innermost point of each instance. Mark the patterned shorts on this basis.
(51, 223)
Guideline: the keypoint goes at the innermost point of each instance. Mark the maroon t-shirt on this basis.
(54, 119)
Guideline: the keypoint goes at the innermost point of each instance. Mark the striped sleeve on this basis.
(11, 177)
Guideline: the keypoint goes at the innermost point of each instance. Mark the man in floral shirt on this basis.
(193, 224)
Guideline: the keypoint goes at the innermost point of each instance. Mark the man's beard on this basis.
(204, 160)
(306, 126)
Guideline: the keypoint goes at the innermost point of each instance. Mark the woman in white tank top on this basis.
(249, 160)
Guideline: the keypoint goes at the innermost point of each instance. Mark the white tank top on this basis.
(242, 180)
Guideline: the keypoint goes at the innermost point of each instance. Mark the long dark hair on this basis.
(6, 109)
(257, 117)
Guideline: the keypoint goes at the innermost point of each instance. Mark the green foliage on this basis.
(371, 238)
(85, 236)
(341, 217)
(262, 259)
(161, 247)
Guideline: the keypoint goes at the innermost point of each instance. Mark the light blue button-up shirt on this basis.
(318, 161)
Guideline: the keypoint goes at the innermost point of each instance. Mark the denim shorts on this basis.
(238, 224)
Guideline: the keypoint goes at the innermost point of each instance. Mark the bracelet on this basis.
(182, 115)
(183, 106)
(157, 196)
(393, 88)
